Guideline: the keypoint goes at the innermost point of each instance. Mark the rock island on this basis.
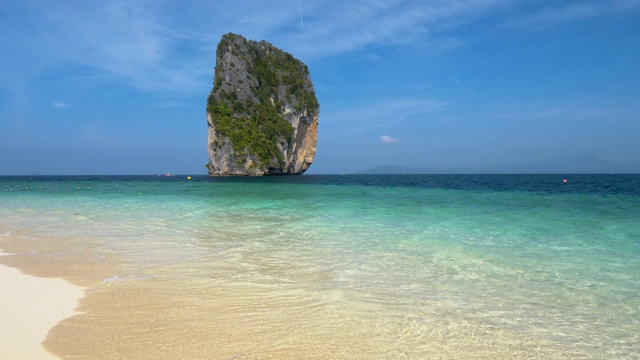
(262, 112)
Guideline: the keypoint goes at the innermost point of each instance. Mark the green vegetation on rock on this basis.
(258, 129)
(255, 124)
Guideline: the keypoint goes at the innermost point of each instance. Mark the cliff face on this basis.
(262, 112)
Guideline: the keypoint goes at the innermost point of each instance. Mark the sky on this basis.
(120, 87)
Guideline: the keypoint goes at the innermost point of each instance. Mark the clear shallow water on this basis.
(411, 264)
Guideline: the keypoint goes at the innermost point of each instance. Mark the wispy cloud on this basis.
(388, 111)
(567, 113)
(557, 13)
(60, 104)
(386, 139)
(91, 77)
(170, 46)
(128, 41)
(96, 135)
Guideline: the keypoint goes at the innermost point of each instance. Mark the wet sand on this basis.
(165, 316)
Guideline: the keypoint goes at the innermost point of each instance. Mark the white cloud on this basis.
(385, 139)
(60, 104)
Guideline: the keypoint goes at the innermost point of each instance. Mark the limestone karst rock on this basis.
(262, 112)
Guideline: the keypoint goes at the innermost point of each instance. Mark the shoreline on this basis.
(30, 307)
(331, 269)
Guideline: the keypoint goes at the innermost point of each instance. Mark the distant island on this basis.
(262, 112)
(571, 164)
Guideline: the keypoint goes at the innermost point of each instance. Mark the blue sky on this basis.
(119, 87)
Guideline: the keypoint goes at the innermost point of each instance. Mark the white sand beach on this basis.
(29, 307)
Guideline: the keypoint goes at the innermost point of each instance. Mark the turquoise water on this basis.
(410, 261)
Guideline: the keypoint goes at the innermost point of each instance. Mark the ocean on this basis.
(335, 266)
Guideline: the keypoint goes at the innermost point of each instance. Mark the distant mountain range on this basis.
(571, 164)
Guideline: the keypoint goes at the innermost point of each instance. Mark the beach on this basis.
(29, 307)
(342, 267)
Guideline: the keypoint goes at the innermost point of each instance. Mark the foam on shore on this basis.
(29, 307)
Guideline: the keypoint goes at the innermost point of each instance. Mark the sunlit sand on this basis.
(29, 307)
